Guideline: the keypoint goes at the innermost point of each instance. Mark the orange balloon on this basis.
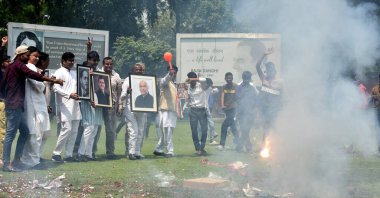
(168, 56)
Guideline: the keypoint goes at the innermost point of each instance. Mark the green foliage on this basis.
(31, 11)
(200, 16)
(129, 50)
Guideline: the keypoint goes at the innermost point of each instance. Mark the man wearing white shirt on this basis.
(197, 103)
(35, 113)
(69, 109)
(135, 120)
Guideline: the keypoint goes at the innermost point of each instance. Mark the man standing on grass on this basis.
(69, 109)
(246, 100)
(13, 87)
(168, 113)
(228, 102)
(198, 113)
(135, 120)
(109, 114)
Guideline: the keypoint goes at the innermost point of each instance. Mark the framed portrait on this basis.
(143, 97)
(46, 73)
(101, 92)
(83, 82)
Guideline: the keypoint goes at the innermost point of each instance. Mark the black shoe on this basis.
(140, 157)
(158, 153)
(70, 159)
(82, 158)
(89, 158)
(40, 166)
(21, 166)
(203, 152)
(57, 158)
(169, 155)
(132, 157)
(9, 168)
(214, 137)
(111, 157)
(42, 160)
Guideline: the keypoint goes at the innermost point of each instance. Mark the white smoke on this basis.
(321, 112)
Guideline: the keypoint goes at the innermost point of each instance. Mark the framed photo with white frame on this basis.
(143, 97)
(83, 82)
(101, 92)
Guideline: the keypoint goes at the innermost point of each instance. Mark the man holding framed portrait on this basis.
(106, 89)
(136, 86)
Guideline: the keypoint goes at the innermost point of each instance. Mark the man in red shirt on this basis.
(13, 87)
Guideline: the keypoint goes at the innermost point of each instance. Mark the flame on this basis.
(265, 152)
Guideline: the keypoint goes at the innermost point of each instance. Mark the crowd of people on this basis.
(25, 98)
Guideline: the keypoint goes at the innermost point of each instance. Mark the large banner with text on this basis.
(212, 55)
(56, 40)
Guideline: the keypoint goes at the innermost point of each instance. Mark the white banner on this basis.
(212, 55)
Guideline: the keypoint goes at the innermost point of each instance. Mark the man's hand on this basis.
(49, 109)
(120, 110)
(93, 104)
(129, 90)
(4, 41)
(268, 51)
(74, 96)
(89, 43)
(58, 81)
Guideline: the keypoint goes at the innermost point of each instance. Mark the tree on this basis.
(200, 16)
(129, 50)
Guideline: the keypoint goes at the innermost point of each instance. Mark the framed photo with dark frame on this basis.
(46, 73)
(101, 92)
(143, 97)
(83, 82)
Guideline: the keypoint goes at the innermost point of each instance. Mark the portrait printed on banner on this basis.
(144, 93)
(101, 92)
(83, 82)
(30, 38)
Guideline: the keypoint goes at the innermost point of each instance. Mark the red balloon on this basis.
(168, 56)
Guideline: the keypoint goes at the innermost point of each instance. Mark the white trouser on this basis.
(136, 125)
(87, 140)
(66, 138)
(36, 141)
(157, 124)
(165, 139)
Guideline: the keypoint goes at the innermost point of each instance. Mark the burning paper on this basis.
(55, 183)
(237, 166)
(165, 180)
(258, 193)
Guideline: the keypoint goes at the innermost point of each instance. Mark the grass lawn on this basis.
(122, 177)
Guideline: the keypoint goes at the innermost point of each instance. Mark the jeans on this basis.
(229, 121)
(246, 121)
(109, 117)
(198, 115)
(14, 122)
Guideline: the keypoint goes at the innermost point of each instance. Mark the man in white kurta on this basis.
(135, 120)
(168, 113)
(36, 116)
(68, 104)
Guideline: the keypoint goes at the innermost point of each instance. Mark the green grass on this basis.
(127, 178)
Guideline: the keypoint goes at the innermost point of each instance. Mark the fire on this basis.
(265, 152)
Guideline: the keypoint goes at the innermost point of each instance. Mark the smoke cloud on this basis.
(321, 112)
